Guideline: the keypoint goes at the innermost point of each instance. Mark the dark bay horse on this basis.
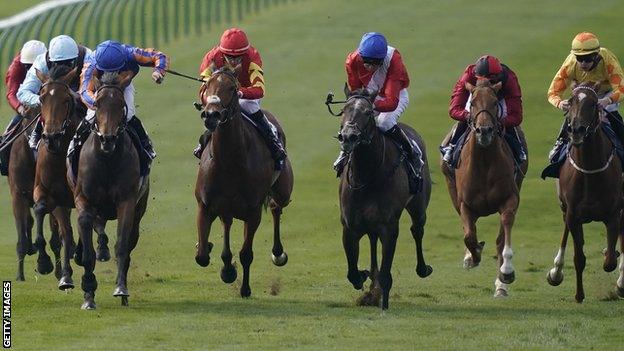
(21, 178)
(373, 193)
(236, 177)
(486, 181)
(590, 188)
(109, 185)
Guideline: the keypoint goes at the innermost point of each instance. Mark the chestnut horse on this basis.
(109, 185)
(373, 193)
(236, 177)
(486, 181)
(590, 188)
(21, 178)
(61, 112)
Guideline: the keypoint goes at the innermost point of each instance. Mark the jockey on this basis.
(234, 51)
(588, 62)
(14, 77)
(112, 56)
(510, 102)
(379, 67)
(63, 51)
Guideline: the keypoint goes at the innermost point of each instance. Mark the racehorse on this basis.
(373, 193)
(109, 185)
(486, 181)
(236, 177)
(590, 188)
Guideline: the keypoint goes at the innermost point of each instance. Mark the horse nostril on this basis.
(340, 138)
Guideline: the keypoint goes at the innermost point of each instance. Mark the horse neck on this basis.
(367, 159)
(593, 152)
(228, 140)
(481, 158)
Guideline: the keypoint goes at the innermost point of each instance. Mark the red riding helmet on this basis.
(488, 66)
(233, 42)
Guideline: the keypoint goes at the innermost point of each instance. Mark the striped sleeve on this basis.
(561, 81)
(615, 76)
(87, 88)
(150, 58)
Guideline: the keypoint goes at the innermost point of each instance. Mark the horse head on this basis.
(358, 119)
(219, 97)
(583, 114)
(111, 110)
(58, 105)
(484, 110)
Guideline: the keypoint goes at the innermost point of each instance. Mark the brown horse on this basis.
(373, 193)
(21, 178)
(486, 182)
(236, 177)
(109, 185)
(590, 188)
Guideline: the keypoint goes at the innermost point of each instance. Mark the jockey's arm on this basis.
(13, 83)
(561, 81)
(513, 101)
(459, 98)
(150, 58)
(256, 77)
(87, 85)
(390, 99)
(616, 77)
(28, 92)
(353, 80)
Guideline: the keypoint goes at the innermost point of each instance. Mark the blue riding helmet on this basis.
(110, 56)
(373, 45)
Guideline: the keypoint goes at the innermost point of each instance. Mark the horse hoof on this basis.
(121, 291)
(20, 278)
(500, 293)
(203, 261)
(66, 283)
(31, 250)
(44, 265)
(554, 278)
(469, 263)
(507, 278)
(245, 291)
(424, 273)
(579, 298)
(124, 301)
(88, 305)
(359, 279)
(103, 255)
(228, 274)
(620, 292)
(279, 260)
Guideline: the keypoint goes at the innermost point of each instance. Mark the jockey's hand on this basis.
(157, 77)
(240, 94)
(21, 110)
(604, 102)
(564, 105)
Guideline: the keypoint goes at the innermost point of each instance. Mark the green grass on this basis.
(10, 8)
(175, 304)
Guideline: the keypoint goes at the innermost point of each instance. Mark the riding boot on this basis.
(203, 141)
(146, 143)
(35, 135)
(562, 139)
(274, 143)
(515, 144)
(449, 148)
(615, 119)
(414, 158)
(340, 163)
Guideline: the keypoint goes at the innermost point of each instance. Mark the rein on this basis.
(9, 142)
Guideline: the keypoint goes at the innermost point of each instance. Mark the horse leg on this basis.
(89, 282)
(451, 186)
(472, 257)
(246, 252)
(125, 230)
(388, 245)
(579, 258)
(44, 263)
(55, 245)
(620, 282)
(506, 273)
(204, 222)
(419, 217)
(351, 244)
(373, 296)
(103, 252)
(278, 256)
(500, 289)
(613, 231)
(62, 216)
(228, 272)
(23, 225)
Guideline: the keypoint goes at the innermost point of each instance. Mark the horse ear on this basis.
(497, 87)
(70, 75)
(41, 76)
(347, 92)
(469, 87)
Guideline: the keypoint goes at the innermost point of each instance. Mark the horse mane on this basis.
(58, 71)
(483, 82)
(110, 78)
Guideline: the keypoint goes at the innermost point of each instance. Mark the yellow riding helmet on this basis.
(585, 43)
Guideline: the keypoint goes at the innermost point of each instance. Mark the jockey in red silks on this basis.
(14, 77)
(509, 99)
(379, 67)
(234, 51)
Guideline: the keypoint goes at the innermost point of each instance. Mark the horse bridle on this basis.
(364, 135)
(227, 112)
(472, 118)
(589, 130)
(70, 111)
(121, 128)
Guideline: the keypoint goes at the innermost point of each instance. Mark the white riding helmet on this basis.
(31, 50)
(62, 48)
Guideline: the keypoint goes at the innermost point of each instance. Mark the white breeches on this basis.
(249, 106)
(387, 120)
(128, 96)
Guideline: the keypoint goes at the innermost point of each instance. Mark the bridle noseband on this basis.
(121, 128)
(472, 119)
(226, 112)
(364, 134)
(588, 129)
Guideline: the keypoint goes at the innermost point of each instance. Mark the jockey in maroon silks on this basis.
(510, 103)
